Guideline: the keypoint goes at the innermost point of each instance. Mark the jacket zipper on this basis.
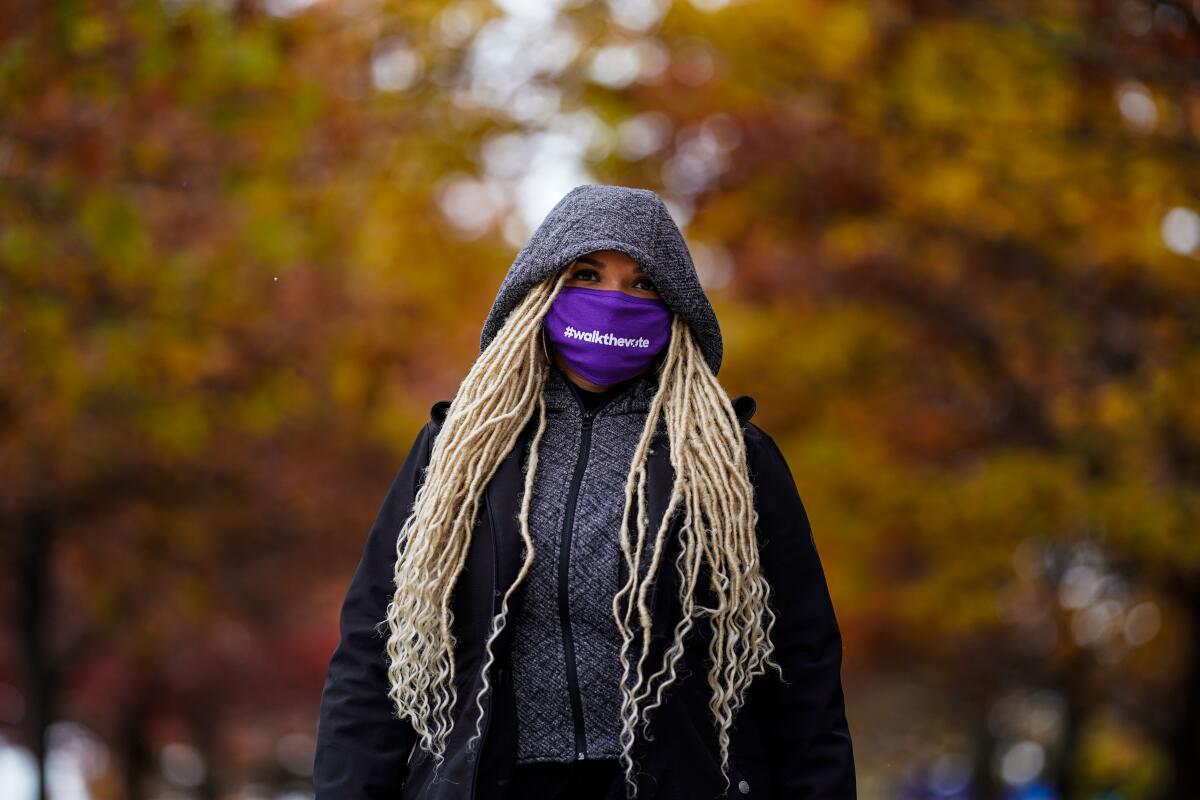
(564, 607)
(564, 563)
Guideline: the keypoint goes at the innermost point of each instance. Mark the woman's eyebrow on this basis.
(595, 262)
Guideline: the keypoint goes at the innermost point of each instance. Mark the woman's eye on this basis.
(584, 273)
(647, 285)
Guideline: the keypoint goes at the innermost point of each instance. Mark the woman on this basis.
(593, 575)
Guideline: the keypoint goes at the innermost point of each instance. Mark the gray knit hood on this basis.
(636, 222)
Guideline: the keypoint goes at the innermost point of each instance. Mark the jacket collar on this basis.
(633, 397)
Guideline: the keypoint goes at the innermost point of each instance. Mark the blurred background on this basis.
(954, 248)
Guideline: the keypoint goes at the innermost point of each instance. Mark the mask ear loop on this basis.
(545, 351)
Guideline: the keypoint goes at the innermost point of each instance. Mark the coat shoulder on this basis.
(744, 406)
(755, 437)
(762, 452)
(437, 412)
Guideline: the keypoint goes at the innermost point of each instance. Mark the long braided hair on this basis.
(491, 407)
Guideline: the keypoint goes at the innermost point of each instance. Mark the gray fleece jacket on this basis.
(565, 666)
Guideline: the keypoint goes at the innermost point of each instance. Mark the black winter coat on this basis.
(789, 741)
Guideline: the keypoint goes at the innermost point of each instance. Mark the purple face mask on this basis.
(606, 335)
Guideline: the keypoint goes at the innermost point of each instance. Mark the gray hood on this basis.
(600, 217)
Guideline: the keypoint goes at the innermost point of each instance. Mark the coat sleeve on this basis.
(806, 734)
(362, 745)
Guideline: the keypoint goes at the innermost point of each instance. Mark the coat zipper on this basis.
(564, 606)
(564, 563)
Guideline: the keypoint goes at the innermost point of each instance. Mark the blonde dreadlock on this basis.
(490, 409)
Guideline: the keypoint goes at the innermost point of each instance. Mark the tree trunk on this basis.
(984, 749)
(206, 732)
(1184, 737)
(1070, 685)
(137, 762)
(35, 544)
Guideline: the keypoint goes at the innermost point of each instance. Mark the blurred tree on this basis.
(953, 215)
(215, 259)
(243, 248)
